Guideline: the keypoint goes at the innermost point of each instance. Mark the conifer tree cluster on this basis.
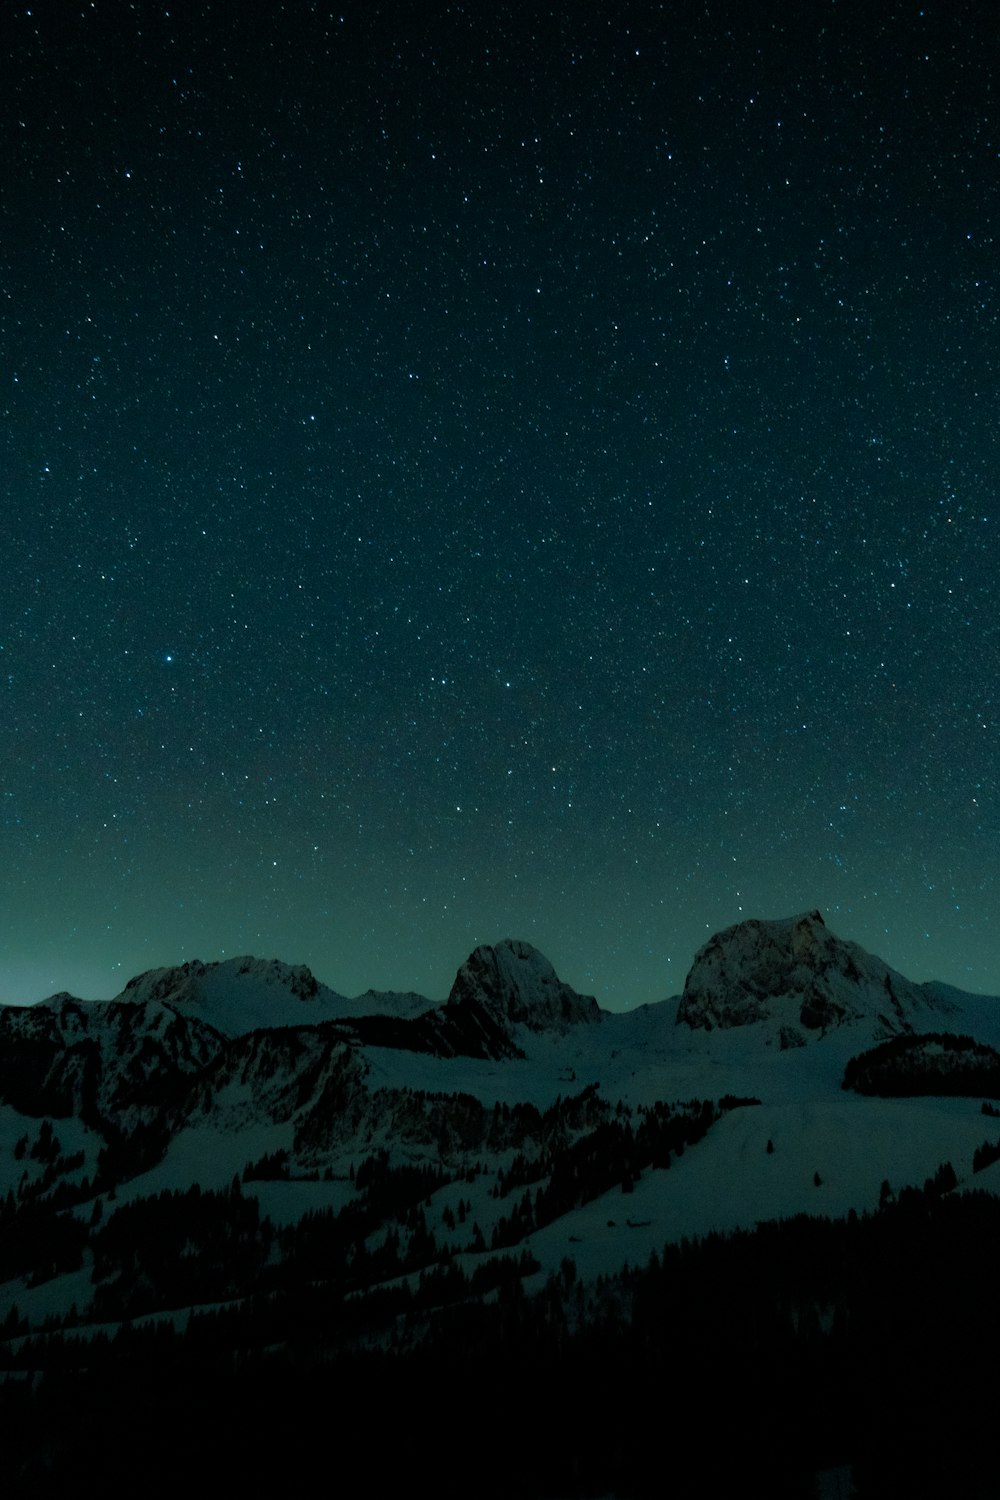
(939, 1063)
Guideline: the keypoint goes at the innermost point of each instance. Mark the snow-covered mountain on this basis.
(516, 985)
(794, 980)
(237, 995)
(91, 1059)
(499, 992)
(237, 1144)
(400, 1140)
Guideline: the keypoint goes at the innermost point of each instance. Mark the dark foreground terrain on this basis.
(744, 1363)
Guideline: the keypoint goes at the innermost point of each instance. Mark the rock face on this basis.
(797, 976)
(515, 985)
(178, 984)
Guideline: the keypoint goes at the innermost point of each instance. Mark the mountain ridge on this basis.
(389, 1141)
(290, 994)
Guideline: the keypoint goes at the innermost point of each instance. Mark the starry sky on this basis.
(515, 470)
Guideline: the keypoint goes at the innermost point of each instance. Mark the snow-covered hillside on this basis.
(253, 1071)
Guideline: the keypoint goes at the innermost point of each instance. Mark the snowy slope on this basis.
(730, 1180)
(237, 1061)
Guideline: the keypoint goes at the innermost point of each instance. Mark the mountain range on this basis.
(220, 1136)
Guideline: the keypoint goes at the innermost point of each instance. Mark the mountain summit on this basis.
(797, 976)
(235, 995)
(517, 986)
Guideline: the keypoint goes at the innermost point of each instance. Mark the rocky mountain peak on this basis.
(177, 984)
(798, 976)
(516, 985)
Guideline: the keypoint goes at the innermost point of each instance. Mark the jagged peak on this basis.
(403, 1003)
(174, 982)
(797, 974)
(517, 985)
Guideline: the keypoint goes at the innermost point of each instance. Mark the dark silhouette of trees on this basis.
(930, 1063)
(985, 1155)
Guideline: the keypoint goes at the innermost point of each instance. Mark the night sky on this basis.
(497, 470)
